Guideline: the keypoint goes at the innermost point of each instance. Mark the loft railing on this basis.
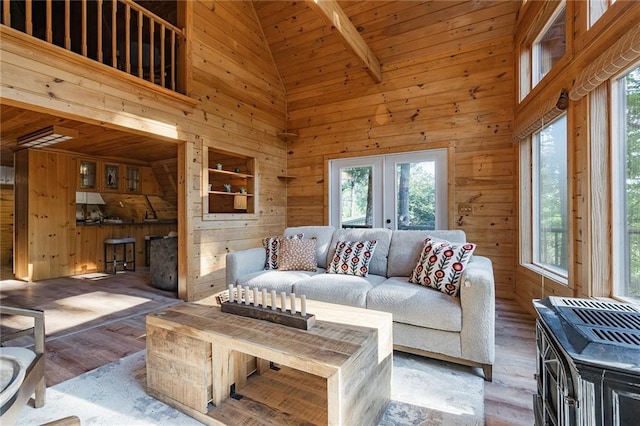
(118, 33)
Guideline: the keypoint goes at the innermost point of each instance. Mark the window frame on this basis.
(529, 232)
(383, 179)
(535, 49)
(619, 247)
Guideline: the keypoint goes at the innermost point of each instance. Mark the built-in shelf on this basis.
(230, 193)
(227, 172)
(226, 176)
(287, 135)
(286, 177)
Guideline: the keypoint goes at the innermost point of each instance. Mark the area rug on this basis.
(424, 392)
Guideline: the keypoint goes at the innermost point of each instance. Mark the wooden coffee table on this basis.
(224, 368)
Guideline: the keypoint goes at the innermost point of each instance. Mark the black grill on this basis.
(588, 369)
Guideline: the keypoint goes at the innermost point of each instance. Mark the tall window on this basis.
(397, 191)
(549, 197)
(626, 123)
(550, 45)
(541, 51)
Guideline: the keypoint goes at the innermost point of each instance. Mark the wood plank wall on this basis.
(6, 224)
(242, 104)
(589, 179)
(447, 82)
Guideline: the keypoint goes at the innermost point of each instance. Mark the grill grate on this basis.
(596, 304)
(602, 322)
(616, 336)
(612, 319)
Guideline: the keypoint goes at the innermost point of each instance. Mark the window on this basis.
(401, 191)
(540, 51)
(550, 45)
(597, 8)
(626, 193)
(544, 205)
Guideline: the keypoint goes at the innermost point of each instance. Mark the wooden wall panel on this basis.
(243, 103)
(443, 86)
(6, 224)
(44, 211)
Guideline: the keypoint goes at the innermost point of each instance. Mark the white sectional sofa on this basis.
(425, 321)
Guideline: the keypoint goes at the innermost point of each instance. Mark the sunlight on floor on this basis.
(94, 276)
(72, 311)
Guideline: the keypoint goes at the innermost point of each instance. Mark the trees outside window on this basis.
(626, 125)
(397, 191)
(550, 229)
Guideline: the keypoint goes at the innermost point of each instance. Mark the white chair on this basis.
(22, 368)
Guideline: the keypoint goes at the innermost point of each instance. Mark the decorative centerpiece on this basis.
(244, 302)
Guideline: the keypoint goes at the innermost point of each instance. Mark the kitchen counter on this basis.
(113, 222)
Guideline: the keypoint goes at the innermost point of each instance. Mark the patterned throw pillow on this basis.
(272, 246)
(297, 255)
(352, 258)
(441, 265)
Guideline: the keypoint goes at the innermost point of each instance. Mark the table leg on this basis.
(220, 360)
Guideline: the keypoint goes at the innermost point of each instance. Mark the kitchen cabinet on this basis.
(88, 175)
(132, 179)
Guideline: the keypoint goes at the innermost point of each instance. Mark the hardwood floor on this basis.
(94, 321)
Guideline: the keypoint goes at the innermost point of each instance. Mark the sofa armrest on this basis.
(244, 262)
(477, 296)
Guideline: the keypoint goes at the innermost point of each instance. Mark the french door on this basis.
(398, 191)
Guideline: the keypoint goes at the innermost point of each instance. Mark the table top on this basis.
(339, 334)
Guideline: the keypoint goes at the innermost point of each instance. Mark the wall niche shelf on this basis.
(228, 184)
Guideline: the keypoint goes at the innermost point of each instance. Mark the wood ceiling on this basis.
(314, 53)
(92, 140)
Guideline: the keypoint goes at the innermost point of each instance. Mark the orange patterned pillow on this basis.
(297, 255)
(441, 265)
(352, 258)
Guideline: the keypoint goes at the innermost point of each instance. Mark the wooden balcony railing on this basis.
(118, 33)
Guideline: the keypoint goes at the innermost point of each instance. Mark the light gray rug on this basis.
(424, 392)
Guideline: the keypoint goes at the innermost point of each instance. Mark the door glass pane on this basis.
(416, 195)
(356, 197)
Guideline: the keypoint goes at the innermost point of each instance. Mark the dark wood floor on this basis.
(93, 321)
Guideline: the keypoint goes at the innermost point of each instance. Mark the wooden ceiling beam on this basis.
(333, 15)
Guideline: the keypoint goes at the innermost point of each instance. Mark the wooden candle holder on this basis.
(276, 316)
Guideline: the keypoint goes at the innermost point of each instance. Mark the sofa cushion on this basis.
(322, 234)
(416, 305)
(274, 279)
(297, 255)
(406, 247)
(272, 248)
(347, 290)
(378, 263)
(352, 258)
(441, 265)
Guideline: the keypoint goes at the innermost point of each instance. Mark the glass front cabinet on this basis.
(88, 175)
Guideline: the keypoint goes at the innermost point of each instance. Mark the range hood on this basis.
(89, 198)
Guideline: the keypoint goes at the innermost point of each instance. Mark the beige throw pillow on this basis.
(297, 255)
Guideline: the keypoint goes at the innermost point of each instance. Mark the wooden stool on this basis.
(113, 260)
